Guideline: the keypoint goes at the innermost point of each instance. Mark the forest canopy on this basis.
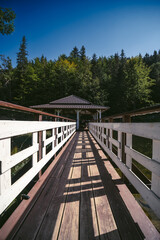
(123, 83)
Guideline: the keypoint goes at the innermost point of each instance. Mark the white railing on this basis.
(61, 132)
(103, 133)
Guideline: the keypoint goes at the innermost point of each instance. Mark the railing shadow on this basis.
(45, 219)
(127, 228)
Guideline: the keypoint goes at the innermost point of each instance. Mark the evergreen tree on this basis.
(6, 73)
(155, 74)
(74, 53)
(22, 55)
(83, 53)
(20, 73)
(94, 67)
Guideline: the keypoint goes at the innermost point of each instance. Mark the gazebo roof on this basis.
(71, 102)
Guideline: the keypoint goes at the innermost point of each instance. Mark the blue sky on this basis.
(104, 27)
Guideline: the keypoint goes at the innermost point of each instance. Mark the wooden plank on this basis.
(51, 224)
(88, 218)
(138, 216)
(126, 226)
(70, 223)
(34, 212)
(106, 222)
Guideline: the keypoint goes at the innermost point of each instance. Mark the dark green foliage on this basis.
(119, 82)
(83, 53)
(6, 73)
(7, 17)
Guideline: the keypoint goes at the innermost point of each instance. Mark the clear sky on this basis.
(104, 27)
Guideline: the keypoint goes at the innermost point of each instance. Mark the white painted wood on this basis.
(110, 136)
(156, 178)
(35, 144)
(7, 191)
(147, 162)
(49, 140)
(129, 145)
(120, 145)
(5, 152)
(14, 128)
(5, 181)
(115, 142)
(43, 144)
(151, 196)
(18, 157)
(148, 130)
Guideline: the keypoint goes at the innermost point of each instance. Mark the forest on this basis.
(120, 82)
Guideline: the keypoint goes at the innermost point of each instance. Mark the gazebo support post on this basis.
(58, 113)
(99, 111)
(77, 111)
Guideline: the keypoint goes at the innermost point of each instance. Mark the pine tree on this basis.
(22, 55)
(94, 67)
(20, 73)
(83, 53)
(6, 72)
(74, 53)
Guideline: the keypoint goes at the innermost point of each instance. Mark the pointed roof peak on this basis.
(72, 99)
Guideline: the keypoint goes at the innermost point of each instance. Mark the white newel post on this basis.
(110, 136)
(129, 144)
(34, 142)
(155, 185)
(5, 175)
(120, 145)
(43, 147)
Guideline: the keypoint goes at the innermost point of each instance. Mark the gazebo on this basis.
(73, 104)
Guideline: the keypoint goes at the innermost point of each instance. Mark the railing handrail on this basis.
(103, 133)
(136, 112)
(31, 110)
(60, 133)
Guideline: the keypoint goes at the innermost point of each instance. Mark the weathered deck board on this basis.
(125, 224)
(81, 200)
(88, 218)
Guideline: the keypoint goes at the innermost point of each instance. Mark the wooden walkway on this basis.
(81, 199)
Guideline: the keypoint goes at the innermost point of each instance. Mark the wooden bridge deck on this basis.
(82, 198)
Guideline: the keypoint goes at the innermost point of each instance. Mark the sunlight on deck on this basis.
(85, 199)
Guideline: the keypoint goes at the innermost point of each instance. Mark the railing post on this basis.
(155, 184)
(34, 142)
(129, 144)
(125, 118)
(110, 136)
(40, 145)
(5, 176)
(43, 147)
(120, 145)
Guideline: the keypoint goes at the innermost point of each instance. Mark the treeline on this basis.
(117, 81)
